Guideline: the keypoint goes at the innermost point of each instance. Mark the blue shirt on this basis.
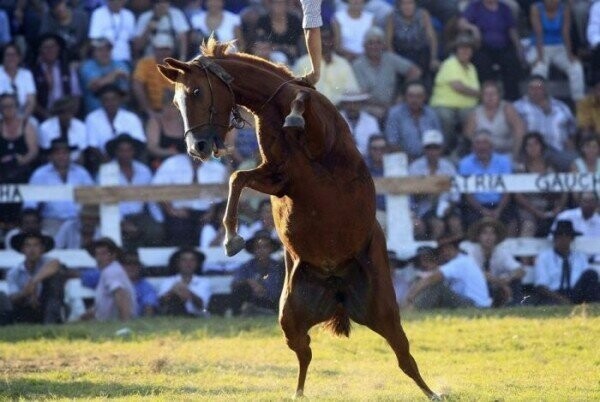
(4, 28)
(271, 278)
(145, 295)
(499, 164)
(551, 28)
(91, 70)
(494, 25)
(403, 130)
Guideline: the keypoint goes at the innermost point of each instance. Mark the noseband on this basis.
(237, 121)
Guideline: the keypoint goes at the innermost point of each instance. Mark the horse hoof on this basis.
(298, 395)
(294, 121)
(234, 245)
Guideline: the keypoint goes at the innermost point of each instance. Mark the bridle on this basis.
(237, 121)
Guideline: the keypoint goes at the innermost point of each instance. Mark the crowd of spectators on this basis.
(462, 87)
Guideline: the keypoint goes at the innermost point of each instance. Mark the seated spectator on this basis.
(456, 90)
(483, 160)
(458, 282)
(435, 214)
(589, 159)
(502, 271)
(162, 19)
(81, 231)
(406, 122)
(492, 24)
(362, 124)
(101, 70)
(551, 23)
(283, 28)
(29, 221)
(562, 275)
(59, 171)
(550, 117)
(17, 80)
(537, 211)
(163, 132)
(593, 38)
(64, 124)
(138, 227)
(264, 221)
(35, 286)
(68, 23)
(377, 72)
(54, 77)
(410, 33)
(146, 296)
(337, 75)
(186, 292)
(103, 24)
(115, 297)
(588, 109)
(111, 119)
(498, 117)
(377, 148)
(349, 28)
(257, 283)
(181, 218)
(150, 87)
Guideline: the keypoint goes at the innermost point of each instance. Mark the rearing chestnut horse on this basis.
(322, 194)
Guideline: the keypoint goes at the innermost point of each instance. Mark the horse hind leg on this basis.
(294, 120)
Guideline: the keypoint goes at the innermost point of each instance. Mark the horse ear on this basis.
(169, 73)
(177, 64)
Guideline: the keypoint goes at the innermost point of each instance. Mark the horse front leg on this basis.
(263, 179)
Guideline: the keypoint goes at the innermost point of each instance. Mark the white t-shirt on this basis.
(353, 30)
(100, 131)
(77, 134)
(224, 32)
(23, 82)
(365, 127)
(198, 286)
(466, 279)
(502, 262)
(112, 277)
(118, 28)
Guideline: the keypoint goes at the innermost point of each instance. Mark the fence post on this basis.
(399, 225)
(110, 215)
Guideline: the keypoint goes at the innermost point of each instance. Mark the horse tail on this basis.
(339, 323)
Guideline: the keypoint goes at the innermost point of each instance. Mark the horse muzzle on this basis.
(205, 147)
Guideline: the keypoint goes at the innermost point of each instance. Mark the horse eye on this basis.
(196, 92)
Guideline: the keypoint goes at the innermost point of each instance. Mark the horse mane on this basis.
(222, 50)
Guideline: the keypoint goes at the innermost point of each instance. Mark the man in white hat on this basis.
(434, 212)
(362, 125)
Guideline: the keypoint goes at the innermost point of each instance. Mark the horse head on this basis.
(206, 102)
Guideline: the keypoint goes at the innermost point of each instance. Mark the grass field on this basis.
(527, 354)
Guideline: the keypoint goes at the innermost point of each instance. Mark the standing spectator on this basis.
(257, 283)
(349, 28)
(54, 77)
(224, 25)
(550, 117)
(593, 38)
(283, 28)
(537, 210)
(115, 296)
(150, 87)
(111, 119)
(362, 124)
(456, 90)
(377, 71)
(483, 160)
(137, 225)
(337, 75)
(181, 218)
(562, 275)
(99, 71)
(551, 22)
(410, 33)
(185, 292)
(492, 24)
(63, 124)
(116, 24)
(436, 214)
(589, 159)
(163, 132)
(59, 171)
(406, 122)
(81, 231)
(145, 295)
(459, 282)
(588, 110)
(35, 286)
(5, 36)
(69, 24)
(162, 19)
(17, 80)
(498, 117)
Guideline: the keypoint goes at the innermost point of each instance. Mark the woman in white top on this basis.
(225, 25)
(502, 271)
(17, 80)
(589, 161)
(349, 28)
(498, 117)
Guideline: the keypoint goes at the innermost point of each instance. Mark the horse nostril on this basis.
(200, 146)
